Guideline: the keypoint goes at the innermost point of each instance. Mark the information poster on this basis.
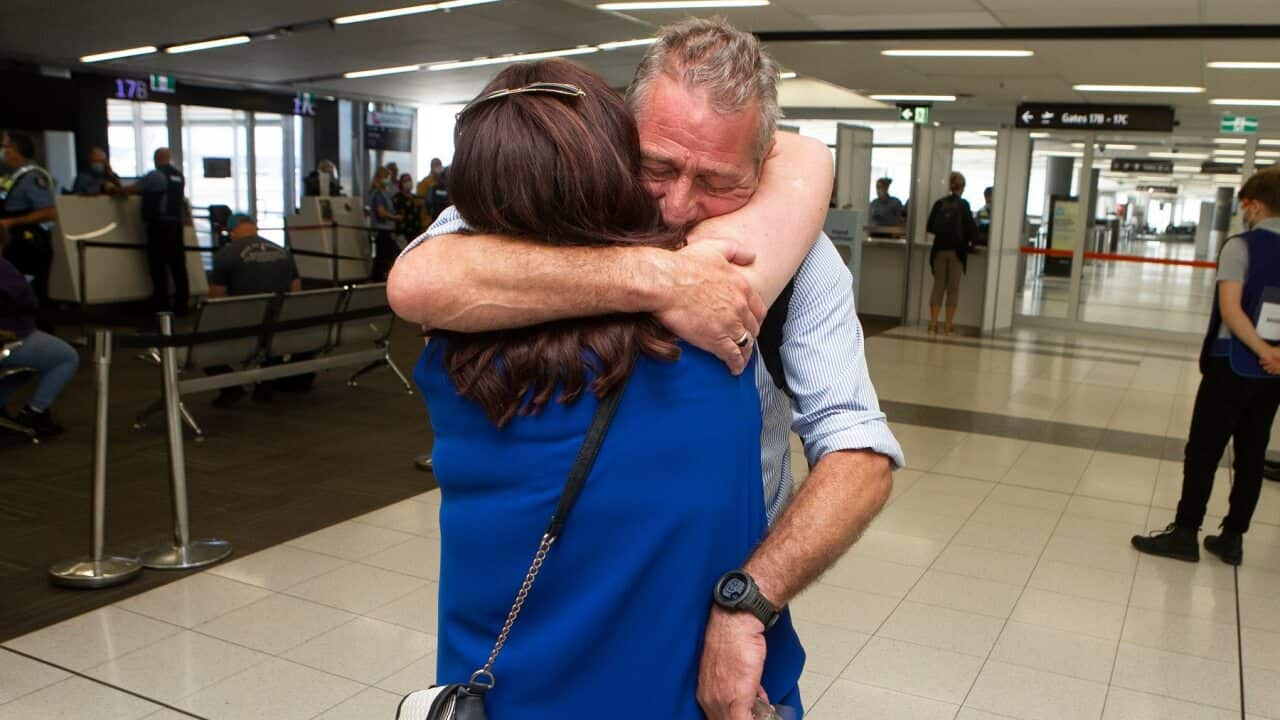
(844, 228)
(1064, 223)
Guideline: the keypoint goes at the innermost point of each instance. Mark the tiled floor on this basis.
(998, 582)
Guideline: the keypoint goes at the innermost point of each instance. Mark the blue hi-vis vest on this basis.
(1261, 286)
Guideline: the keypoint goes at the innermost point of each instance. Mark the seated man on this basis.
(98, 178)
(55, 361)
(248, 265)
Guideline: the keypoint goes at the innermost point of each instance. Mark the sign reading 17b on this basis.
(1242, 125)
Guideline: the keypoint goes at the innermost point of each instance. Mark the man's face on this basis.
(436, 169)
(11, 157)
(882, 191)
(696, 163)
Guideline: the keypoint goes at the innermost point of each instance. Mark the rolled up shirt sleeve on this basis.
(448, 222)
(834, 404)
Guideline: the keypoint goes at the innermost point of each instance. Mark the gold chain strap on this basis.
(486, 672)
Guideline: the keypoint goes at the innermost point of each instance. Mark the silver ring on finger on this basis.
(744, 340)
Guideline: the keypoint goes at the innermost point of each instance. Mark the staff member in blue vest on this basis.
(164, 211)
(26, 212)
(1240, 388)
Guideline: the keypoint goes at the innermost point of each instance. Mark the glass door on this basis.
(215, 161)
(271, 200)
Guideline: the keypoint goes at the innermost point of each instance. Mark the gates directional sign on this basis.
(918, 114)
(1076, 116)
(1142, 165)
(1239, 125)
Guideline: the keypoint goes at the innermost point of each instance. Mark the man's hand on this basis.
(732, 665)
(1270, 361)
(710, 303)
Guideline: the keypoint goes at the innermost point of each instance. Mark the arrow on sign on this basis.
(1046, 118)
(907, 113)
(1027, 117)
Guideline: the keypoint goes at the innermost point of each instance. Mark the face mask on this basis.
(98, 168)
(407, 187)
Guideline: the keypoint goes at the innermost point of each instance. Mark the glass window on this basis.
(268, 148)
(134, 131)
(215, 133)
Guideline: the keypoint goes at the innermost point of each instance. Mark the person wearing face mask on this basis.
(26, 213)
(323, 181)
(409, 208)
(1240, 384)
(383, 219)
(433, 191)
(99, 178)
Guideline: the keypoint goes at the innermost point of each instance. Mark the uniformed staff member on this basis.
(98, 178)
(26, 213)
(1240, 384)
(164, 211)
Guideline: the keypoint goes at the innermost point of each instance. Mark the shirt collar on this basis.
(1271, 224)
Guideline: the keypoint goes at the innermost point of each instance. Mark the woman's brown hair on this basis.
(552, 168)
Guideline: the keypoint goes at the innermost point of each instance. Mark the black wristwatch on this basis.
(736, 590)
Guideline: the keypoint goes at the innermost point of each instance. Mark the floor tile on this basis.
(364, 650)
(93, 638)
(417, 610)
(1123, 704)
(406, 516)
(76, 698)
(812, 687)
(1184, 677)
(194, 599)
(939, 627)
(995, 565)
(877, 545)
(279, 567)
(915, 670)
(1261, 612)
(1072, 614)
(969, 594)
(1181, 634)
(846, 699)
(1114, 556)
(1034, 694)
(1022, 540)
(357, 588)
(369, 703)
(419, 557)
(1261, 649)
(1209, 572)
(177, 666)
(274, 690)
(1080, 581)
(849, 609)
(350, 540)
(1208, 603)
(1097, 530)
(417, 675)
(828, 649)
(1262, 692)
(23, 675)
(275, 624)
(1107, 510)
(1029, 498)
(1057, 651)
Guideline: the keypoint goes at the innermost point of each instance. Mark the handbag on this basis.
(465, 701)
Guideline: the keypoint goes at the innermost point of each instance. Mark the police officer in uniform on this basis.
(1240, 384)
(164, 212)
(26, 213)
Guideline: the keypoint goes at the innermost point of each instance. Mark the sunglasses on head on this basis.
(539, 87)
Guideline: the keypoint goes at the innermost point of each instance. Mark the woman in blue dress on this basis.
(614, 625)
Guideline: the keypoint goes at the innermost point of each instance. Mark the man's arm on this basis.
(847, 441)
(41, 215)
(217, 291)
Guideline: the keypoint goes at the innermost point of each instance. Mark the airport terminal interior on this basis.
(242, 520)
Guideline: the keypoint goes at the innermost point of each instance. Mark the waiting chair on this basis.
(375, 330)
(9, 371)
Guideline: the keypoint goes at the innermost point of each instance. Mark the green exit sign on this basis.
(1240, 125)
(163, 84)
(918, 114)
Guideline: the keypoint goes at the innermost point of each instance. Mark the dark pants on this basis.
(165, 250)
(1228, 406)
(385, 251)
(30, 249)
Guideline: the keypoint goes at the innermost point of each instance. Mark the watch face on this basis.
(733, 589)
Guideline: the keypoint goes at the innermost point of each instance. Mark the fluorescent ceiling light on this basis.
(1039, 135)
(117, 54)
(381, 71)
(1230, 141)
(1269, 153)
(1186, 168)
(681, 5)
(1061, 153)
(787, 75)
(1169, 89)
(207, 44)
(618, 45)
(914, 98)
(986, 133)
(1245, 102)
(959, 53)
(1108, 146)
(410, 10)
(1269, 141)
(1228, 151)
(1234, 65)
(1179, 155)
(518, 57)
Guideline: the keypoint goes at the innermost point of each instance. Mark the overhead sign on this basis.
(385, 130)
(1159, 189)
(1069, 116)
(1213, 167)
(304, 103)
(163, 84)
(1239, 125)
(1142, 165)
(130, 89)
(918, 114)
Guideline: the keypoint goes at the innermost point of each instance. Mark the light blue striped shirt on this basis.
(833, 405)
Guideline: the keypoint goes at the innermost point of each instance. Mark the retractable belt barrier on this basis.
(270, 327)
(1090, 255)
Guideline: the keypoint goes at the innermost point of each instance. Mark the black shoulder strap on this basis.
(770, 340)
(605, 411)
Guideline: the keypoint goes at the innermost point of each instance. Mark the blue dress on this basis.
(614, 625)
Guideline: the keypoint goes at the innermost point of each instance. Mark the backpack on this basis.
(947, 222)
(770, 340)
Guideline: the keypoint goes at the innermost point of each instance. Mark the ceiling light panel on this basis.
(958, 53)
(1230, 141)
(681, 5)
(381, 71)
(620, 44)
(118, 54)
(1245, 102)
(1245, 65)
(1162, 89)
(519, 57)
(207, 44)
(410, 10)
(914, 98)
(1179, 155)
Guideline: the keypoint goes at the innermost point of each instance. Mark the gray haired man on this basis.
(705, 101)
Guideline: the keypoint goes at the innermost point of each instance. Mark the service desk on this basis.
(882, 289)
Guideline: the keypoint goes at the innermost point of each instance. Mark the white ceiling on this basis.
(313, 58)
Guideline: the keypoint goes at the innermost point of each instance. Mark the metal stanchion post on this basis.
(183, 553)
(99, 569)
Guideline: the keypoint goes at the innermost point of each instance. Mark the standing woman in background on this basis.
(383, 219)
(954, 233)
